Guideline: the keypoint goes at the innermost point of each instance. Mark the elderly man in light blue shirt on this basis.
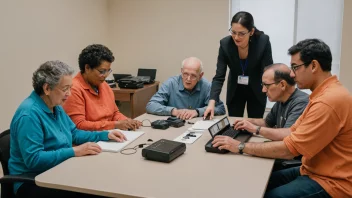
(185, 96)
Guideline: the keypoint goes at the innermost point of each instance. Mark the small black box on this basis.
(164, 150)
(175, 122)
(160, 124)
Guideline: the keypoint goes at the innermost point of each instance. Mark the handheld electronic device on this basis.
(164, 150)
(160, 124)
(223, 127)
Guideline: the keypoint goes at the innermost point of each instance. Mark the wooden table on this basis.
(196, 173)
(137, 98)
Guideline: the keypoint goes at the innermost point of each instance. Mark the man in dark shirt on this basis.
(290, 104)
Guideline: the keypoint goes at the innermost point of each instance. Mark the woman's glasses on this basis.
(239, 34)
(104, 72)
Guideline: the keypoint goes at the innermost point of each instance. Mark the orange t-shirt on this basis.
(90, 110)
(323, 135)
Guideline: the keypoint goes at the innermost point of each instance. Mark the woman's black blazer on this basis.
(259, 56)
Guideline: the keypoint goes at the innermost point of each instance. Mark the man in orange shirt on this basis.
(322, 134)
(91, 105)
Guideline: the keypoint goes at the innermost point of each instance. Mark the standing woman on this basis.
(246, 52)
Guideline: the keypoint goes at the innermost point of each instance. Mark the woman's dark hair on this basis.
(93, 55)
(246, 20)
(313, 49)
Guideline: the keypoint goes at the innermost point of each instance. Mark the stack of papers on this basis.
(113, 146)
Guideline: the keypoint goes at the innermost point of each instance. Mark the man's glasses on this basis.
(239, 34)
(295, 67)
(268, 85)
(104, 72)
(191, 76)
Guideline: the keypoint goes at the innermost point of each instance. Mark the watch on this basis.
(241, 147)
(197, 112)
(258, 129)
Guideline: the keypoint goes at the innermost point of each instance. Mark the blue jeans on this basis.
(289, 183)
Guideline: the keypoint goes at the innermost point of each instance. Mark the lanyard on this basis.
(244, 67)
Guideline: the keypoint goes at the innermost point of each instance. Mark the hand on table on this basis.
(88, 148)
(243, 124)
(128, 124)
(184, 114)
(117, 136)
(210, 110)
(227, 143)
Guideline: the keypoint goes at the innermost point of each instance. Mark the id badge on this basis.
(243, 80)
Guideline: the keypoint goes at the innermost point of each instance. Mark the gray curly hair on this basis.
(50, 72)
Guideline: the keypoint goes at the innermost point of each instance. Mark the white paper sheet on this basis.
(112, 146)
(204, 124)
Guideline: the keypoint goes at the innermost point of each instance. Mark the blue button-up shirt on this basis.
(41, 139)
(172, 94)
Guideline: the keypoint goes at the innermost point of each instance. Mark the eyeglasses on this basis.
(295, 67)
(268, 85)
(65, 90)
(104, 72)
(239, 34)
(191, 76)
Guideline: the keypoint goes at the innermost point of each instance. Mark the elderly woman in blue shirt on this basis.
(42, 133)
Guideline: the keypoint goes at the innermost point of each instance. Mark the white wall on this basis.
(346, 49)
(290, 21)
(160, 34)
(325, 23)
(276, 19)
(35, 31)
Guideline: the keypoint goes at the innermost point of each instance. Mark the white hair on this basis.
(50, 72)
(194, 59)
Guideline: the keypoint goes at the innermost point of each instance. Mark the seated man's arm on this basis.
(266, 130)
(257, 121)
(277, 149)
(270, 133)
(158, 103)
(274, 134)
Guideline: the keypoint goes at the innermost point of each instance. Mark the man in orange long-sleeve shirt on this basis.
(91, 105)
(322, 134)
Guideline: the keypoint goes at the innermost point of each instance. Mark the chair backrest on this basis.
(5, 150)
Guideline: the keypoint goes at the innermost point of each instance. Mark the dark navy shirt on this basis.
(284, 115)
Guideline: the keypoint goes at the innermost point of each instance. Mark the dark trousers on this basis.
(32, 190)
(289, 183)
(244, 94)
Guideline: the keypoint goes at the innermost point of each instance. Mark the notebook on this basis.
(113, 146)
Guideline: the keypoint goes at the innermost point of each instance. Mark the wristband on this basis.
(258, 129)
(197, 112)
